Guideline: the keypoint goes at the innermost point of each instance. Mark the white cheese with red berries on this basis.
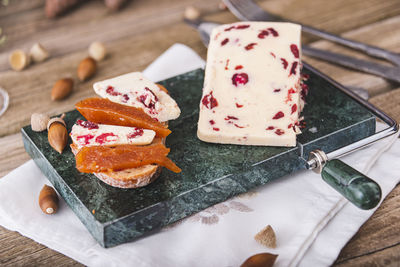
(133, 89)
(252, 92)
(86, 133)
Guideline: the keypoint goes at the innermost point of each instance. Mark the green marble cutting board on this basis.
(211, 173)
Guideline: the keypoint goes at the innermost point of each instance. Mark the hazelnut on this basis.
(97, 51)
(38, 53)
(19, 60)
(39, 122)
(192, 13)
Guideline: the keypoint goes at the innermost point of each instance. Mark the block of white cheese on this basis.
(133, 89)
(251, 93)
(86, 133)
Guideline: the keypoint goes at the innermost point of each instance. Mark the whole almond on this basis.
(57, 136)
(61, 89)
(87, 68)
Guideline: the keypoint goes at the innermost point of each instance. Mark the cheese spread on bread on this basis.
(133, 89)
(86, 133)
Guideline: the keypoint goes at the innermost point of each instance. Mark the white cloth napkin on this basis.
(312, 222)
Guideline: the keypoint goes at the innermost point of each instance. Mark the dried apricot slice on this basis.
(104, 159)
(104, 111)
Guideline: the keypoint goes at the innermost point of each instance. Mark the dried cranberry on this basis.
(240, 78)
(152, 103)
(250, 46)
(226, 65)
(101, 139)
(293, 68)
(241, 27)
(212, 122)
(230, 118)
(270, 128)
(278, 115)
(279, 131)
(277, 90)
(85, 137)
(272, 54)
(209, 101)
(230, 28)
(284, 63)
(225, 41)
(304, 90)
(136, 133)
(262, 34)
(290, 126)
(238, 67)
(291, 91)
(216, 129)
(273, 32)
(238, 105)
(238, 126)
(151, 92)
(110, 90)
(125, 98)
(305, 77)
(87, 124)
(295, 50)
(294, 108)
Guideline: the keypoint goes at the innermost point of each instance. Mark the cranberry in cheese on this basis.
(251, 93)
(133, 89)
(86, 133)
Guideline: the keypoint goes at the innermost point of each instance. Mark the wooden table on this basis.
(136, 36)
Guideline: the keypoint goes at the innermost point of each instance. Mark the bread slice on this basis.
(129, 178)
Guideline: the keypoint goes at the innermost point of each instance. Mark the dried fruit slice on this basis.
(105, 159)
(104, 111)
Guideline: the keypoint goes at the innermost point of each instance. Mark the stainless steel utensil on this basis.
(248, 10)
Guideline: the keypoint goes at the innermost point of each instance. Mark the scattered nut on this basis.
(222, 6)
(266, 237)
(86, 68)
(39, 122)
(57, 134)
(114, 4)
(38, 53)
(61, 89)
(260, 260)
(192, 13)
(48, 200)
(97, 51)
(19, 60)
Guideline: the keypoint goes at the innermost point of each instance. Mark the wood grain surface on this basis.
(137, 35)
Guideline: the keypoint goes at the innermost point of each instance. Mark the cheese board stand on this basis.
(211, 173)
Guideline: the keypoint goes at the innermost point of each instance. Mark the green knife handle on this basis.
(360, 190)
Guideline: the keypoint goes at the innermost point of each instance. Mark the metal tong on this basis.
(248, 10)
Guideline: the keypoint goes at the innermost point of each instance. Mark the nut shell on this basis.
(86, 69)
(19, 60)
(61, 89)
(38, 53)
(39, 122)
(260, 260)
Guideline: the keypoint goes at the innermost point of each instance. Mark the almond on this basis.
(61, 89)
(57, 134)
(87, 68)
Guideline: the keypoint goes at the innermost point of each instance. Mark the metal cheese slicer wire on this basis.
(248, 10)
(353, 185)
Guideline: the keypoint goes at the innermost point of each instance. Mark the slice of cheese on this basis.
(133, 89)
(251, 93)
(85, 133)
